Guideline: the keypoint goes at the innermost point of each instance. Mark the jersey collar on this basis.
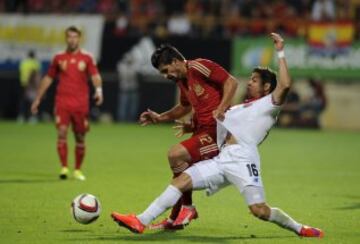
(249, 100)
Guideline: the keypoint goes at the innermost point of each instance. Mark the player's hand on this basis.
(219, 114)
(99, 98)
(35, 106)
(278, 41)
(182, 128)
(149, 117)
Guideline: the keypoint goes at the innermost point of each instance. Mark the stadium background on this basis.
(320, 167)
(323, 46)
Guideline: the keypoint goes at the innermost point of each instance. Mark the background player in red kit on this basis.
(73, 67)
(206, 89)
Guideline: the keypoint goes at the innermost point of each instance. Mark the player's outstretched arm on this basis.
(44, 85)
(151, 117)
(97, 82)
(284, 80)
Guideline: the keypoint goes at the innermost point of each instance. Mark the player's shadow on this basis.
(27, 181)
(18, 177)
(165, 237)
(75, 231)
(351, 206)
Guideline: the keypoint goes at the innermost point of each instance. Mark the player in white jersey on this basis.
(244, 127)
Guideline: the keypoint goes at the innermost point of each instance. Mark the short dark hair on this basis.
(267, 76)
(165, 54)
(73, 28)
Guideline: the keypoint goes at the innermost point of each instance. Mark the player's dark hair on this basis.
(73, 29)
(267, 76)
(165, 54)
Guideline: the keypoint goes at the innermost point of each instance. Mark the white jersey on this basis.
(249, 123)
(238, 164)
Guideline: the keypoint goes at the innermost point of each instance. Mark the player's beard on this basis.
(72, 48)
(182, 76)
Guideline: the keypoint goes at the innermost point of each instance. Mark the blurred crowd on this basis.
(304, 110)
(199, 18)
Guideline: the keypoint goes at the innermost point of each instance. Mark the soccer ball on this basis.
(85, 208)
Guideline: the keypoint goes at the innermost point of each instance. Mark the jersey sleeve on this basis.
(210, 70)
(92, 68)
(53, 68)
(183, 99)
(267, 105)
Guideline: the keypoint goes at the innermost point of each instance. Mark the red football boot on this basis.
(130, 221)
(186, 215)
(307, 231)
(165, 224)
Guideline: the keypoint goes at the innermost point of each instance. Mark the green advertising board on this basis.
(248, 53)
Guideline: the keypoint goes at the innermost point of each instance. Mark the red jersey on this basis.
(73, 69)
(203, 90)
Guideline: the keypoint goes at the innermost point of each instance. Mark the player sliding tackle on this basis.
(244, 127)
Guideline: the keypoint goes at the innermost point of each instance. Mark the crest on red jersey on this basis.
(198, 89)
(81, 65)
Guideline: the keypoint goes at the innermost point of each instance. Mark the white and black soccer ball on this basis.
(85, 208)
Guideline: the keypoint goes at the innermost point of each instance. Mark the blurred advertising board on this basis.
(45, 35)
(328, 52)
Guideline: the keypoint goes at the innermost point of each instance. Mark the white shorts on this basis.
(229, 167)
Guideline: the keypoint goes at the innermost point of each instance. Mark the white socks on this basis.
(280, 218)
(166, 200)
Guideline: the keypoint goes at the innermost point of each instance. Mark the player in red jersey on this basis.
(206, 89)
(73, 68)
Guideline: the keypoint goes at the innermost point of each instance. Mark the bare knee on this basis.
(179, 158)
(183, 182)
(79, 137)
(178, 153)
(260, 210)
(62, 132)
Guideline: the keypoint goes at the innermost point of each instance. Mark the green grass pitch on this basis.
(312, 175)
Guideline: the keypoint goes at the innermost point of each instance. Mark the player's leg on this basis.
(79, 155)
(199, 176)
(179, 159)
(62, 119)
(80, 127)
(254, 196)
(166, 200)
(202, 175)
(200, 147)
(246, 176)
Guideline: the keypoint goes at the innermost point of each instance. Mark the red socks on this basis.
(79, 154)
(187, 198)
(62, 151)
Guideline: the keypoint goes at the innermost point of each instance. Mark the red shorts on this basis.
(78, 119)
(201, 146)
